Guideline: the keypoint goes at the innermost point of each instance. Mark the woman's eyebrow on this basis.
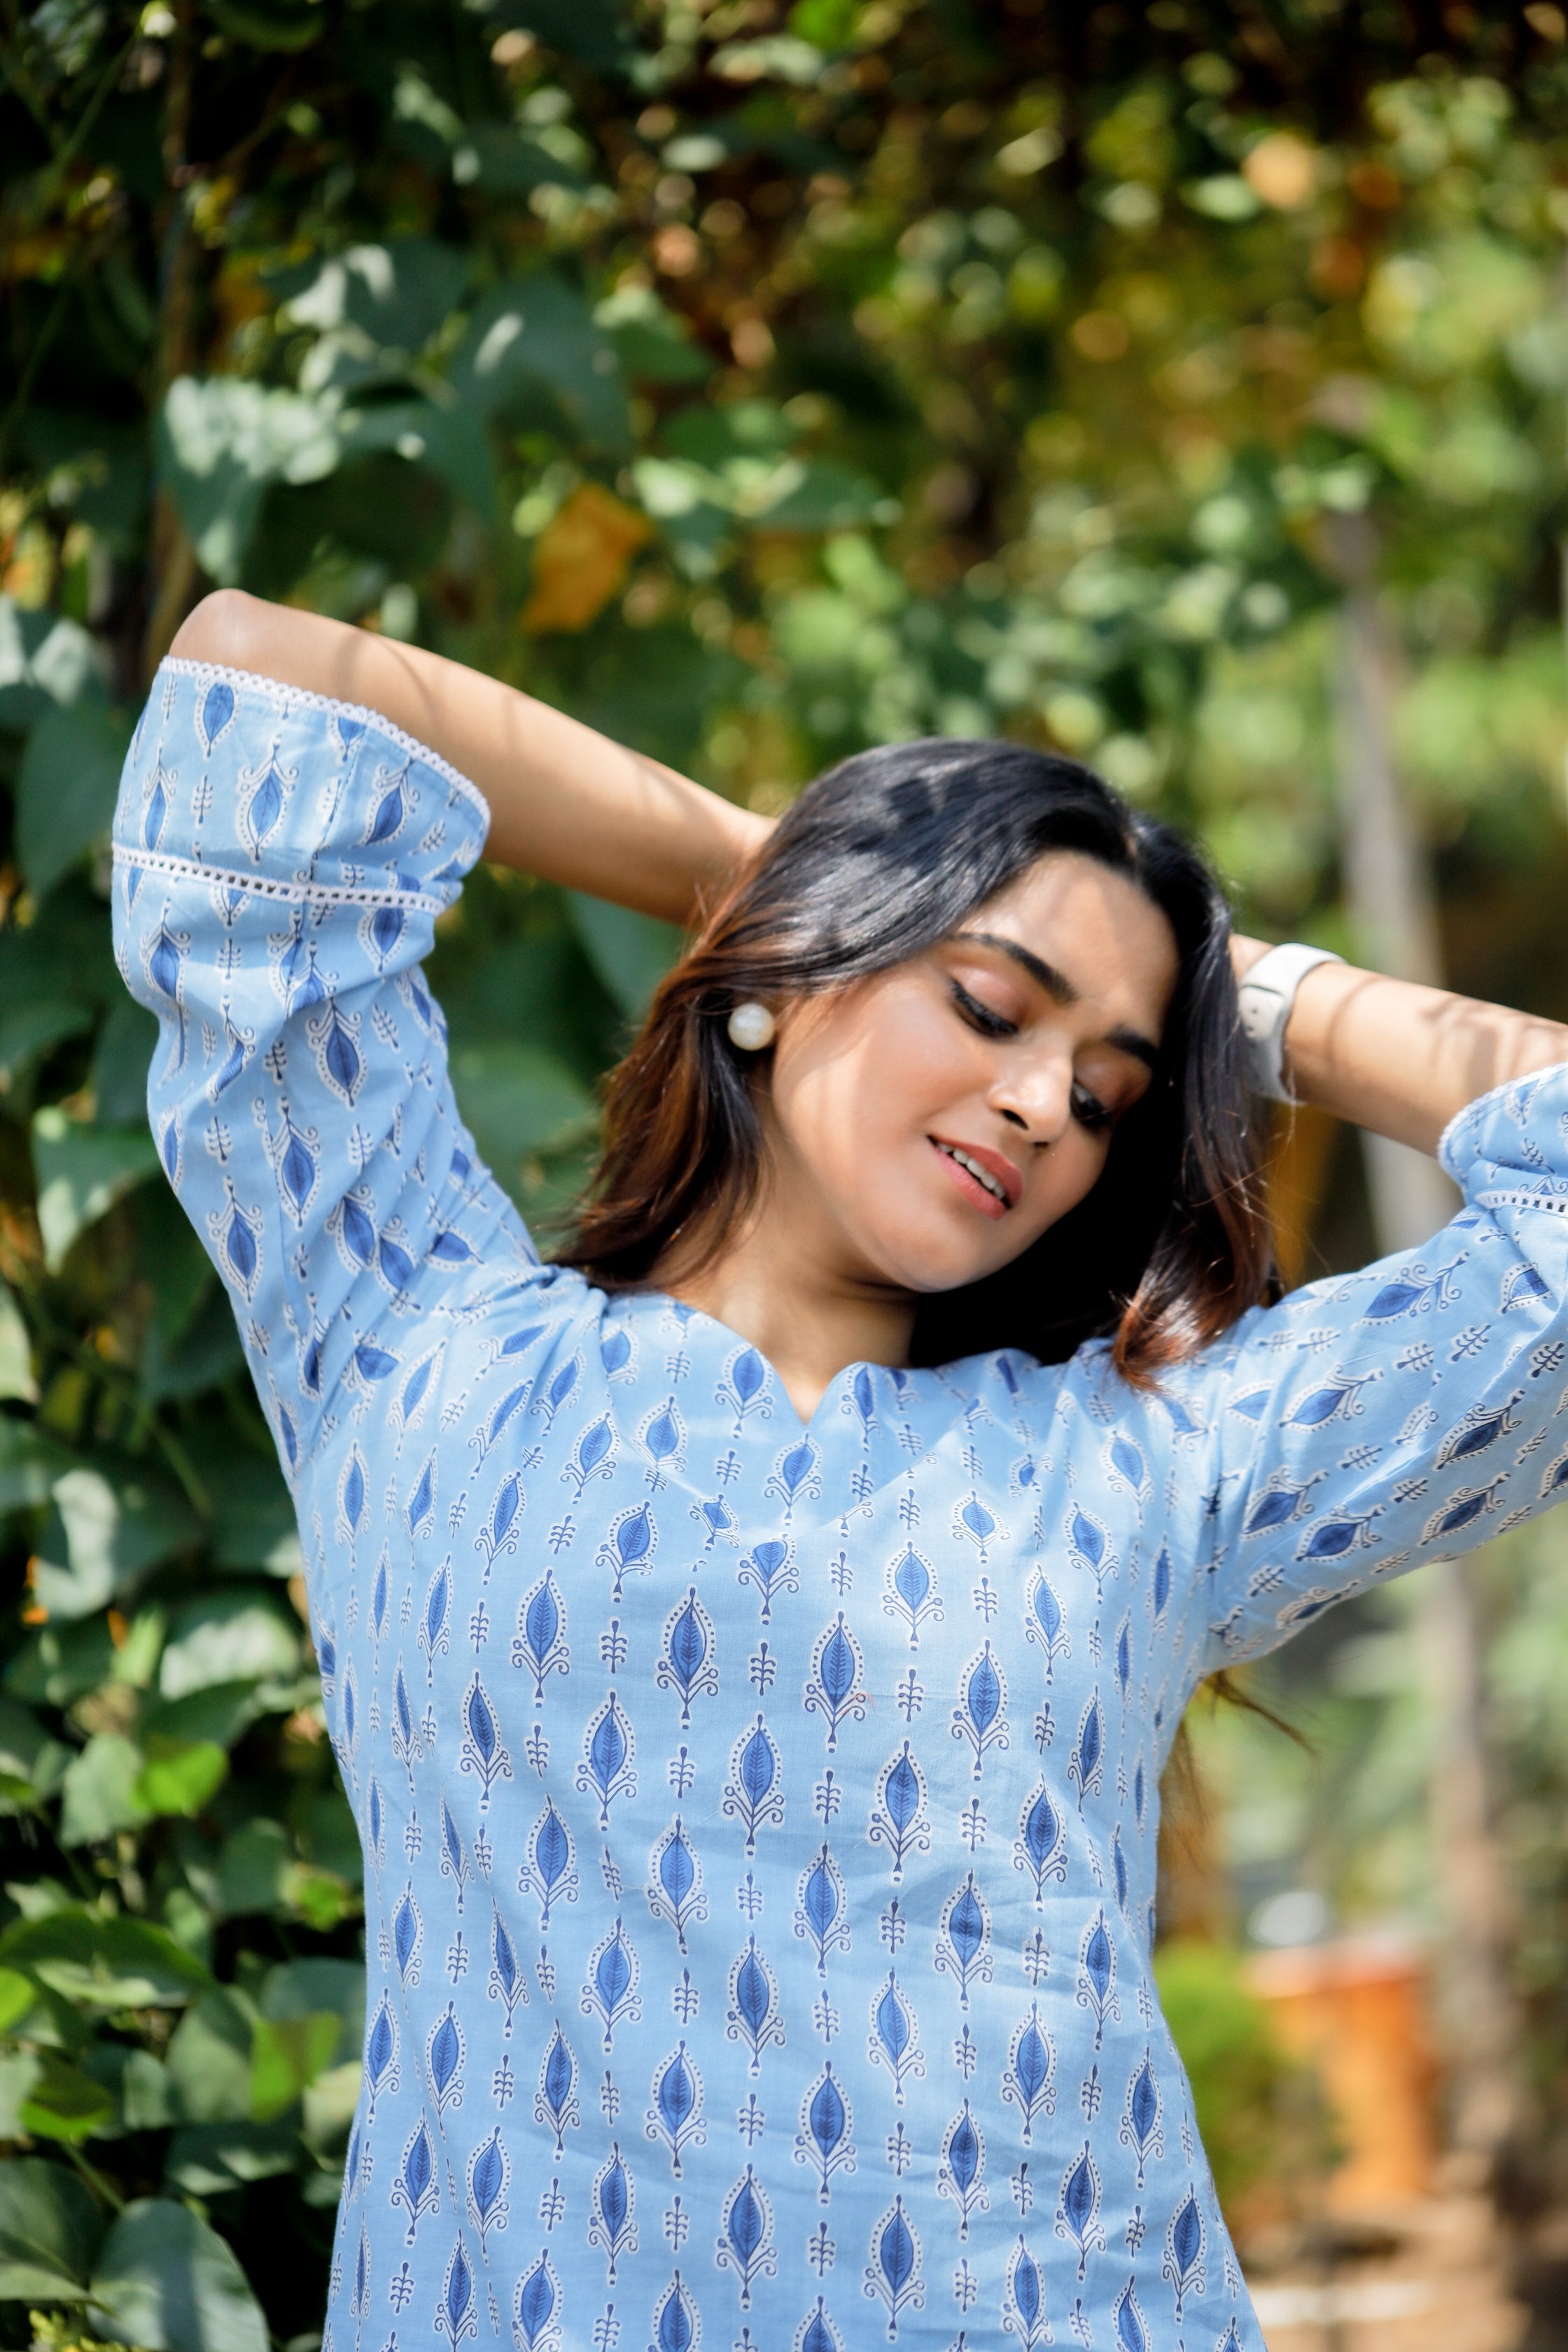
(1061, 991)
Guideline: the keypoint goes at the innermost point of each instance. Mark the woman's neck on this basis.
(783, 1295)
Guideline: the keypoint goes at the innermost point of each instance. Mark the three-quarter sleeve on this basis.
(280, 862)
(1403, 1413)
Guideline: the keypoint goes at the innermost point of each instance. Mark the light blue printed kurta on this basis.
(758, 1816)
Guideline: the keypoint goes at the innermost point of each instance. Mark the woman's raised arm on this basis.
(565, 803)
(1401, 1059)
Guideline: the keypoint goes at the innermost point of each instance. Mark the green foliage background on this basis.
(758, 383)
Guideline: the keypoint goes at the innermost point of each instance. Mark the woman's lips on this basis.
(978, 1194)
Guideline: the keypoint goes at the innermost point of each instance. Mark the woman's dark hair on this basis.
(881, 858)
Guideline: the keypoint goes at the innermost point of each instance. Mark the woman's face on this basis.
(927, 1125)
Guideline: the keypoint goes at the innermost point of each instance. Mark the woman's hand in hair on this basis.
(1399, 1058)
(566, 803)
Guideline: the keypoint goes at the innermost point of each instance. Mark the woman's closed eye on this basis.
(1091, 1114)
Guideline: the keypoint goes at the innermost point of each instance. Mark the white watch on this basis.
(1264, 999)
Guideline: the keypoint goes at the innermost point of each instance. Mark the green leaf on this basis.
(119, 1064)
(27, 1032)
(517, 1100)
(81, 1171)
(103, 1963)
(106, 1529)
(652, 344)
(18, 1994)
(536, 333)
(63, 2102)
(271, 24)
(421, 433)
(252, 1868)
(207, 2159)
(221, 1713)
(253, 1519)
(594, 32)
(19, 2070)
(170, 2284)
(397, 295)
(65, 789)
(16, 1351)
(50, 2230)
(62, 1661)
(221, 442)
(184, 1779)
(630, 952)
(286, 2057)
(30, 1760)
(99, 1790)
(228, 1637)
(505, 161)
(209, 2059)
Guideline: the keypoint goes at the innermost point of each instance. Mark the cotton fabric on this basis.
(759, 1817)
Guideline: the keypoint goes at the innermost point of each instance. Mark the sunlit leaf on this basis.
(105, 1963)
(50, 2229)
(65, 789)
(107, 1528)
(170, 2284)
(82, 1170)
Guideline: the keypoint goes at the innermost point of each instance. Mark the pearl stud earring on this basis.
(751, 1027)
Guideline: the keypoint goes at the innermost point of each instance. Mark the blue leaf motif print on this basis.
(893, 2042)
(753, 2014)
(615, 1350)
(820, 1909)
(972, 1520)
(892, 2276)
(979, 1715)
(1086, 1763)
(555, 2102)
(742, 2245)
(482, 1753)
(1338, 1399)
(961, 1942)
(333, 1039)
(831, 1688)
(263, 793)
(1097, 1976)
(826, 2123)
(612, 2202)
(415, 2190)
(454, 1864)
(912, 1591)
(687, 1664)
(795, 1477)
(1039, 1850)
(1089, 1545)
(961, 2174)
(675, 2114)
(1124, 1655)
(407, 1930)
(443, 2057)
(1140, 2128)
(1183, 2263)
(434, 1638)
(455, 2314)
(611, 1990)
(742, 1386)
(506, 1983)
(541, 1646)
(607, 1768)
(381, 2054)
(675, 2321)
(1481, 1427)
(629, 1547)
(537, 2303)
(1044, 1623)
(1078, 2211)
(1024, 2311)
(1132, 2330)
(1027, 2079)
(753, 1794)
(558, 1391)
(1125, 1462)
(592, 1457)
(771, 1568)
(489, 2174)
(502, 1411)
(675, 1882)
(1160, 1588)
(899, 1821)
(214, 714)
(386, 820)
(663, 1439)
(501, 1531)
(816, 2331)
(549, 1872)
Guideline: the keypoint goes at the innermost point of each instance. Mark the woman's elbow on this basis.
(222, 628)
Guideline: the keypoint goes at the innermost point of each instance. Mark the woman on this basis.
(751, 1644)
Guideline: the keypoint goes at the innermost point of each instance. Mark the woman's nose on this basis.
(1038, 1101)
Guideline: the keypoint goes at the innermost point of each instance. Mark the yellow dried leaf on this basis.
(581, 557)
